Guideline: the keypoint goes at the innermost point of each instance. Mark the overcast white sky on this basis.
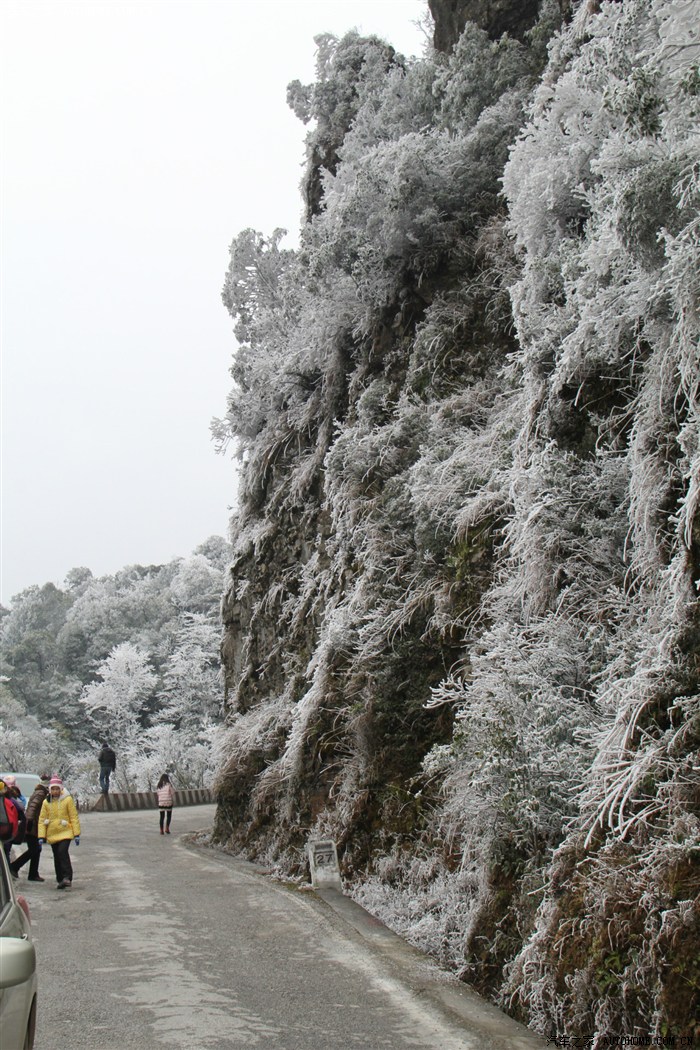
(138, 138)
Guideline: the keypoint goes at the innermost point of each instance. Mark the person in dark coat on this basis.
(31, 837)
(108, 764)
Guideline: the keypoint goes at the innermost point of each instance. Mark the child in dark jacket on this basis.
(166, 798)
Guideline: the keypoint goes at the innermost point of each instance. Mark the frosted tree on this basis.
(190, 686)
(25, 744)
(116, 705)
(189, 759)
(197, 584)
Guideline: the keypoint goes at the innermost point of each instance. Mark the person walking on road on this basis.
(59, 826)
(9, 819)
(108, 764)
(31, 837)
(11, 783)
(16, 798)
(166, 799)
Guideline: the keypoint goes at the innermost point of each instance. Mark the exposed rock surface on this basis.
(494, 16)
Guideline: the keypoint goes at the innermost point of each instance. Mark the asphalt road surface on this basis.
(162, 944)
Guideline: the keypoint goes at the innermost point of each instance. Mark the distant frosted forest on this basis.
(131, 658)
(462, 623)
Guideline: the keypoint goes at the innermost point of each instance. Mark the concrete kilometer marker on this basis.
(323, 861)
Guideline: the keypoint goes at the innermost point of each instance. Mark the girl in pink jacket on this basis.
(166, 798)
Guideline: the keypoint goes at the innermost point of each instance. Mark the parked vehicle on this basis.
(18, 977)
(26, 782)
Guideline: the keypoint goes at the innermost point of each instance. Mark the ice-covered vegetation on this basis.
(462, 620)
(131, 658)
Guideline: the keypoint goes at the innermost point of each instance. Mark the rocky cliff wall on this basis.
(462, 621)
(496, 17)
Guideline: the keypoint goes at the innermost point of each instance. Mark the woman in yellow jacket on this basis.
(59, 826)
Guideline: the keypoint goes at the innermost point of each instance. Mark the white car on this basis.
(18, 980)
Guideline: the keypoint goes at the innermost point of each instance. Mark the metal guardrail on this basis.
(117, 801)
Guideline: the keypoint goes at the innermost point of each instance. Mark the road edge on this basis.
(489, 1026)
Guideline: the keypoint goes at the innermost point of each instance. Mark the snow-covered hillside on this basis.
(462, 623)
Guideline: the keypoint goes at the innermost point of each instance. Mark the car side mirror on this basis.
(17, 961)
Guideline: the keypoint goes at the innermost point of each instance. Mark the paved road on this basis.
(160, 944)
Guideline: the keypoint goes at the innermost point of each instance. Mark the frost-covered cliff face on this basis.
(496, 17)
(462, 626)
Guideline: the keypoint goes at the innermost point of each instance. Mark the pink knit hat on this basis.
(55, 782)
